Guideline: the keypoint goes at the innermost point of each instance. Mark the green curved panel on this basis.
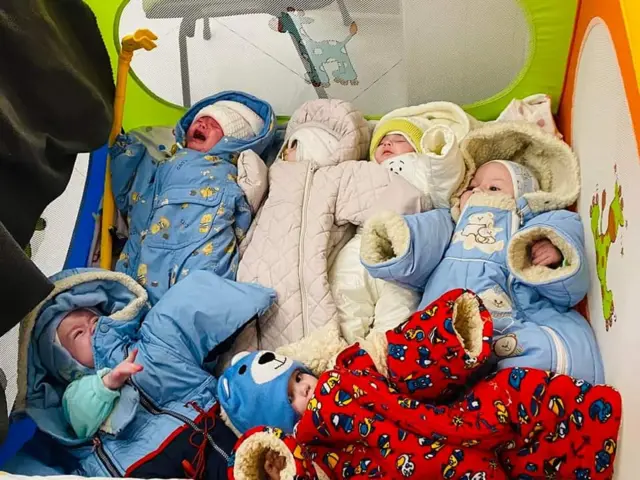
(141, 107)
(551, 23)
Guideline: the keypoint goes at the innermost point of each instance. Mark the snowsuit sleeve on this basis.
(202, 311)
(564, 286)
(366, 187)
(405, 250)
(126, 155)
(252, 178)
(247, 460)
(442, 348)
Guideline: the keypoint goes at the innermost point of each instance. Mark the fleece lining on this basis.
(384, 237)
(249, 462)
(468, 323)
(28, 323)
(551, 160)
(519, 259)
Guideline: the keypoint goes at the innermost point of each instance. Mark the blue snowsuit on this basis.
(487, 252)
(151, 428)
(186, 212)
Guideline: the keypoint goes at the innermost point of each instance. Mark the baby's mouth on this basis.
(199, 135)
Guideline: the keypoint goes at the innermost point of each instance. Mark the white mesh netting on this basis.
(402, 52)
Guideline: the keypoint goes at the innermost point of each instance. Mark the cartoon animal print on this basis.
(499, 305)
(480, 232)
(320, 52)
(604, 239)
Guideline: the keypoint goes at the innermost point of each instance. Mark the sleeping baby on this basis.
(318, 193)
(189, 212)
(507, 239)
(422, 148)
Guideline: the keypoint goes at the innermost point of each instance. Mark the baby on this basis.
(318, 193)
(506, 240)
(382, 410)
(425, 153)
(127, 397)
(189, 212)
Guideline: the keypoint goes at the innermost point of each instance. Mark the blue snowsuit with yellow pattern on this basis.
(185, 212)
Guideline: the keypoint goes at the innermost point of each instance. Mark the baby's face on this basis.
(491, 178)
(203, 134)
(301, 388)
(391, 146)
(76, 335)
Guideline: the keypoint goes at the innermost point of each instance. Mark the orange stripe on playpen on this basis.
(611, 14)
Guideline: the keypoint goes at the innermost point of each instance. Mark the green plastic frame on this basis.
(551, 23)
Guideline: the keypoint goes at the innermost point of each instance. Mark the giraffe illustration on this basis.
(317, 54)
(603, 240)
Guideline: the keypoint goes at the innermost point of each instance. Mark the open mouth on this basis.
(199, 135)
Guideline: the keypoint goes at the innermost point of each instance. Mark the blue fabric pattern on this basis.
(187, 211)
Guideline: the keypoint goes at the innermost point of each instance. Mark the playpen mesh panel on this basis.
(463, 51)
(378, 54)
(605, 142)
(48, 246)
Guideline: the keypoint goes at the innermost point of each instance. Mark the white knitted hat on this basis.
(235, 119)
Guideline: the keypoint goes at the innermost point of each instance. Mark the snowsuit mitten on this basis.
(439, 349)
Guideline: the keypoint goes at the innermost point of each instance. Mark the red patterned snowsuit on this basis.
(519, 424)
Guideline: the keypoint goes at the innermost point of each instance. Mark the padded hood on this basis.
(551, 160)
(258, 144)
(121, 303)
(339, 121)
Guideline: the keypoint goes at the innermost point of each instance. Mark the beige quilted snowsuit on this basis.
(310, 213)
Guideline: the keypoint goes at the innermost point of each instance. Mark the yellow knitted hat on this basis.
(403, 126)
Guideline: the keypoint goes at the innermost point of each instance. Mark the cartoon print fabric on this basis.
(520, 424)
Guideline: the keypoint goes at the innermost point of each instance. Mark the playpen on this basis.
(381, 55)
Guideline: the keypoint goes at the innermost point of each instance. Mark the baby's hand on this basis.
(274, 463)
(545, 253)
(116, 378)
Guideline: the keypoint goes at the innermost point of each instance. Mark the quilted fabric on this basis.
(308, 215)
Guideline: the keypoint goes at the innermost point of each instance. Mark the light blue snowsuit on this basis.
(534, 324)
(187, 212)
(168, 397)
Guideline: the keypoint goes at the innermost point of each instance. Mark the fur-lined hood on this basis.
(116, 297)
(551, 160)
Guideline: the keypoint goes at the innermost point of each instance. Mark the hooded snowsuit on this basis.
(153, 425)
(379, 413)
(367, 304)
(487, 251)
(312, 206)
(187, 212)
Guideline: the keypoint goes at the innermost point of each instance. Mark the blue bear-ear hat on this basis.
(253, 391)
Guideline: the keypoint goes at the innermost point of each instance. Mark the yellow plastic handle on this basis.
(140, 39)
